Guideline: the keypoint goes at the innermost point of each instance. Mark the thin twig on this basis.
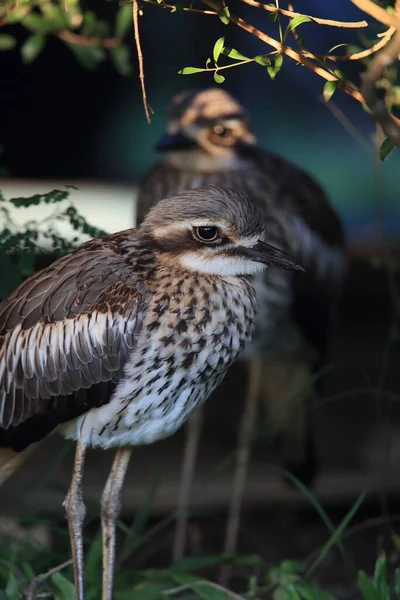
(381, 61)
(283, 49)
(387, 35)
(193, 432)
(347, 125)
(291, 14)
(245, 438)
(135, 12)
(29, 593)
(379, 13)
(83, 40)
(181, 8)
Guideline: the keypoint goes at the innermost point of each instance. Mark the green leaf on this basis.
(366, 587)
(397, 583)
(380, 573)
(207, 591)
(308, 591)
(7, 42)
(57, 17)
(336, 47)
(340, 74)
(65, 588)
(218, 78)
(120, 56)
(143, 591)
(232, 53)
(218, 47)
(263, 60)
(123, 20)
(32, 47)
(190, 70)
(36, 23)
(224, 15)
(201, 562)
(88, 56)
(386, 148)
(208, 62)
(295, 22)
(11, 587)
(89, 24)
(329, 90)
(93, 559)
(48, 198)
(275, 67)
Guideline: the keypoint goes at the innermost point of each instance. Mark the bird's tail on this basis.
(11, 461)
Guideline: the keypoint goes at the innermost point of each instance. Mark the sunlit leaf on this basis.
(329, 90)
(232, 53)
(56, 16)
(36, 23)
(340, 74)
(32, 47)
(224, 15)
(262, 59)
(275, 67)
(218, 47)
(386, 148)
(336, 47)
(296, 21)
(89, 24)
(218, 78)
(7, 42)
(123, 20)
(190, 70)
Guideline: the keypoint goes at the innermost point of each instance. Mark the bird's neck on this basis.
(200, 161)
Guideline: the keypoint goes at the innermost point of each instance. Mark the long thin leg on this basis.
(110, 508)
(192, 438)
(76, 510)
(246, 428)
(286, 393)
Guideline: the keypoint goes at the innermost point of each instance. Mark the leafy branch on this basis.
(89, 38)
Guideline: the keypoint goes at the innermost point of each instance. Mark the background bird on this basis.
(117, 343)
(209, 141)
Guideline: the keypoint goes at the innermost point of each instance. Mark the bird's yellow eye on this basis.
(206, 233)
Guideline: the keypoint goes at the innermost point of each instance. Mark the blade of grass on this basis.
(336, 534)
(316, 505)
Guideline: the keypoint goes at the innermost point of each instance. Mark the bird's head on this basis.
(206, 124)
(212, 230)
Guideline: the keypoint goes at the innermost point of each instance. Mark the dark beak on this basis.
(178, 141)
(269, 255)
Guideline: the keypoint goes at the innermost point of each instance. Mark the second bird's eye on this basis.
(221, 131)
(207, 233)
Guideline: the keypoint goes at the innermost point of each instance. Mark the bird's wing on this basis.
(67, 328)
(312, 230)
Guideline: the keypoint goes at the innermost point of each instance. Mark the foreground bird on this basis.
(116, 344)
(209, 142)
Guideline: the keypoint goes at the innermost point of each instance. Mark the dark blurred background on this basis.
(63, 123)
